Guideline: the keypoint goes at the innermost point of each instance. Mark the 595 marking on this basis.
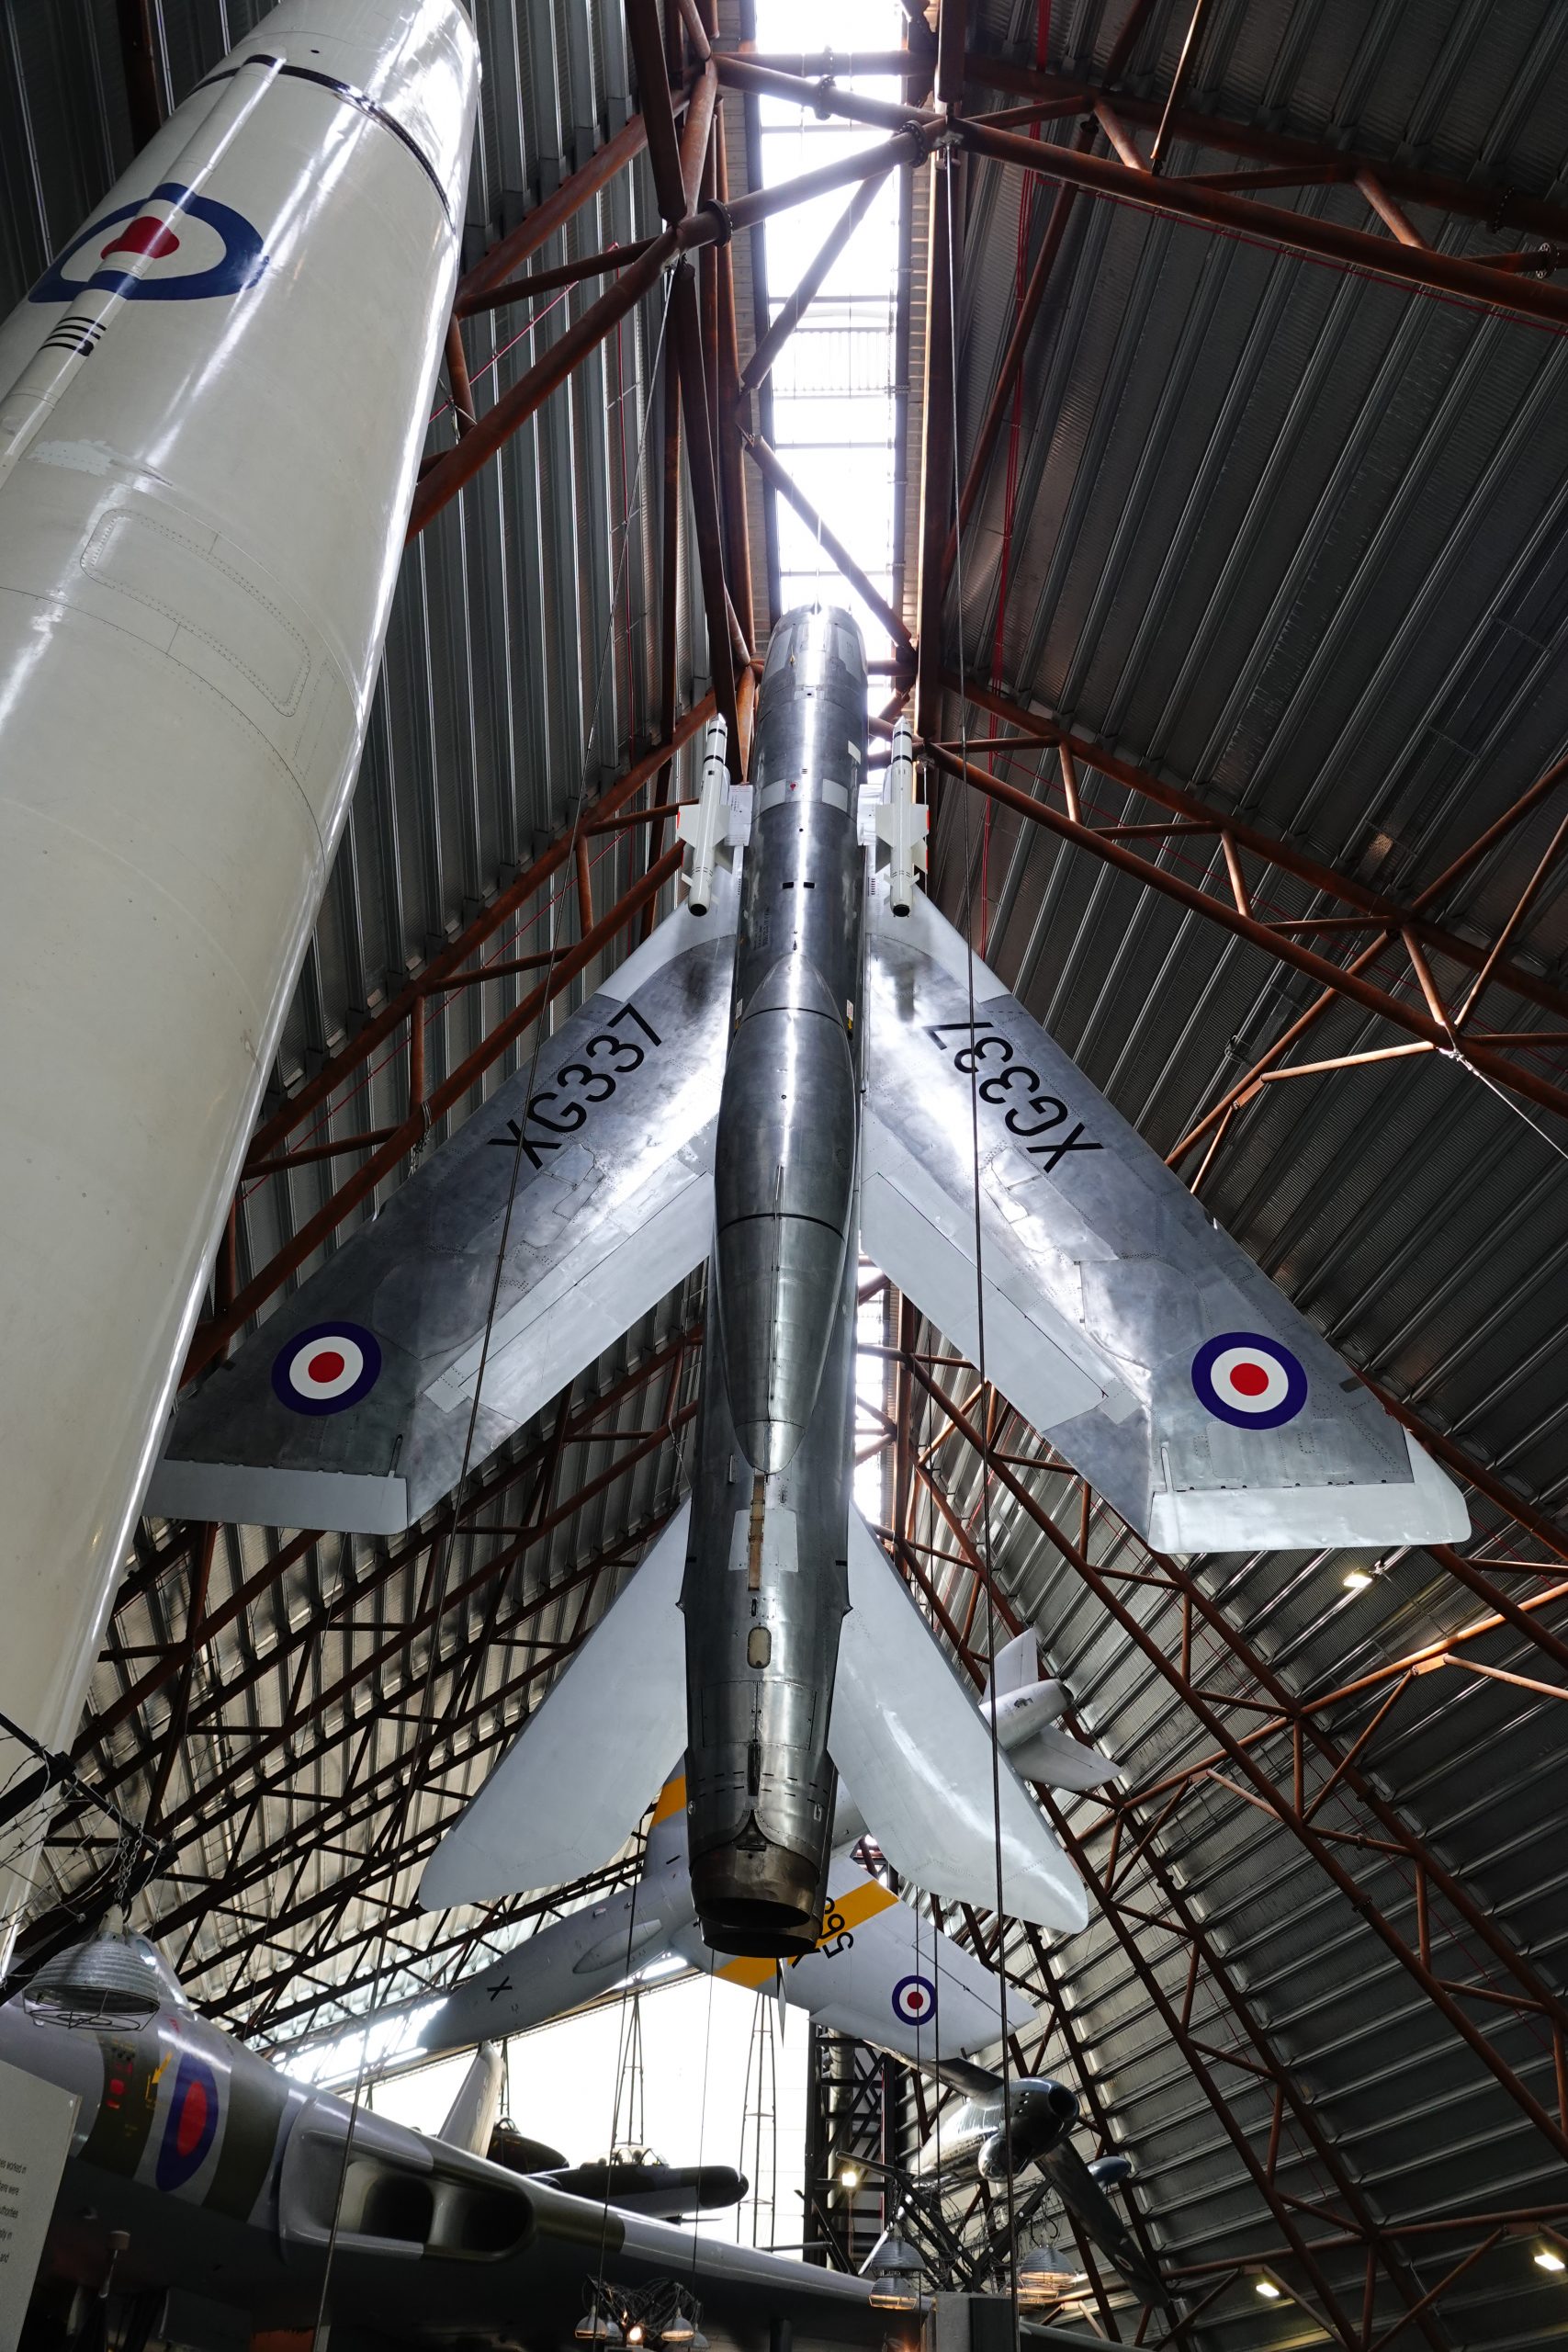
(560, 1109)
(1030, 1114)
(834, 1938)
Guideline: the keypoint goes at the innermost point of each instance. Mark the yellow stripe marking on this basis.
(850, 1910)
(671, 1799)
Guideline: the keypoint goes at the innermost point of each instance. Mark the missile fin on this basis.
(1058, 1761)
(1017, 1664)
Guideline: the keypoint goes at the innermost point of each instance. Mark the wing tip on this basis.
(242, 1494)
(1429, 1508)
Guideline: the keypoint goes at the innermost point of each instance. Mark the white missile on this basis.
(714, 822)
(903, 822)
(211, 411)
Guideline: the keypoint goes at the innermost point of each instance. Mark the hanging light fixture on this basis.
(1046, 2276)
(895, 2273)
(594, 2328)
(115, 1979)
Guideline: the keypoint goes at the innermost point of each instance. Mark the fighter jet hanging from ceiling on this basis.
(799, 1064)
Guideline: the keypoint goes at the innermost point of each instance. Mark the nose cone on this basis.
(784, 1187)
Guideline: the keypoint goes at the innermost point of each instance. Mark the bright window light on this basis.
(374, 2046)
(834, 386)
(870, 1403)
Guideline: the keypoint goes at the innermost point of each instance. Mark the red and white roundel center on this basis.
(324, 1368)
(1249, 1381)
(327, 1369)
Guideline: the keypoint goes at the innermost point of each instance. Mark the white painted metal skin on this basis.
(217, 402)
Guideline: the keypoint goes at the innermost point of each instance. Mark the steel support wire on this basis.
(1291, 1810)
(1176, 1910)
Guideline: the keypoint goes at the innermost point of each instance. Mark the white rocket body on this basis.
(211, 411)
(707, 825)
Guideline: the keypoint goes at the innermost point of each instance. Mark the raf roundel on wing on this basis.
(326, 1369)
(914, 2000)
(1251, 1382)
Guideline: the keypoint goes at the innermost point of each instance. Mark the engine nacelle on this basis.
(1040, 2112)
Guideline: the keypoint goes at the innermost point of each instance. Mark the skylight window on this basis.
(835, 382)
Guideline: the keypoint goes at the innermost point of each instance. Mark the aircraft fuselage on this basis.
(766, 1572)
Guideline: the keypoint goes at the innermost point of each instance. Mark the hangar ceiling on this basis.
(1243, 680)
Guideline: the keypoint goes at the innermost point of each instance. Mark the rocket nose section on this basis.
(784, 1182)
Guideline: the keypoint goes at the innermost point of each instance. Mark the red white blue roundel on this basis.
(191, 2125)
(326, 1369)
(914, 2000)
(185, 246)
(1251, 1382)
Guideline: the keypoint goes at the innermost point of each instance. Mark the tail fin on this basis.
(473, 2112)
(667, 1830)
(1016, 1666)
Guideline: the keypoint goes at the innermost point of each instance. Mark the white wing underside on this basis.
(588, 1761)
(909, 1740)
(905, 1733)
(607, 1206)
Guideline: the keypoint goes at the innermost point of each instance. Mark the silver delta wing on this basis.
(349, 1408)
(1120, 1320)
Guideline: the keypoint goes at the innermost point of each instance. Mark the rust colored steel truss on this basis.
(1300, 1776)
(1402, 255)
(1384, 923)
(1304, 1777)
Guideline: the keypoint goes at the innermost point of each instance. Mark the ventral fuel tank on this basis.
(766, 1573)
(212, 407)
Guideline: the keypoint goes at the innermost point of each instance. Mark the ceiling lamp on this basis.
(1548, 2258)
(1046, 2276)
(895, 2274)
(115, 1979)
(1357, 1579)
(1267, 2289)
